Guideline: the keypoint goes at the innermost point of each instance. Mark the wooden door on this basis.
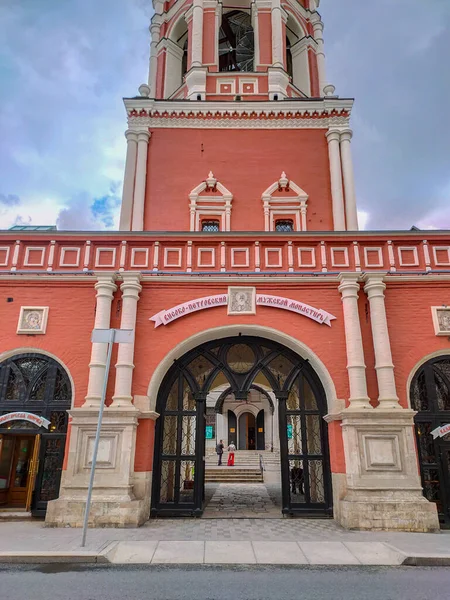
(20, 472)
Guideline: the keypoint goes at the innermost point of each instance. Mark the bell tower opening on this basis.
(236, 42)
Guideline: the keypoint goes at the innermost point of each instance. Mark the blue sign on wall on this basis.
(209, 432)
(289, 432)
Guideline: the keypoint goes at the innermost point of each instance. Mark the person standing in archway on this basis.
(219, 452)
(231, 450)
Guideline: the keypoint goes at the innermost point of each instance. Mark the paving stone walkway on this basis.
(234, 500)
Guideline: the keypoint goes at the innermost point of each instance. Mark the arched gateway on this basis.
(240, 362)
(430, 397)
(35, 394)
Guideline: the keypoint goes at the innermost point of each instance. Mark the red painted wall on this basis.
(246, 162)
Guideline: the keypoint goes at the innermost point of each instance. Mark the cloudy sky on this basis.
(66, 64)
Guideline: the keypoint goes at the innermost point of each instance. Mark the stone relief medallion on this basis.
(33, 319)
(241, 300)
(441, 320)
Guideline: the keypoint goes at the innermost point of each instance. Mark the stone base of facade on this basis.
(104, 513)
(377, 513)
(382, 489)
(121, 497)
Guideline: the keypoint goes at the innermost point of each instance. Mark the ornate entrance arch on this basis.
(33, 382)
(430, 397)
(178, 475)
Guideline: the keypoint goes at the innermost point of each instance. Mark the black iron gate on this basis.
(430, 396)
(179, 466)
(36, 383)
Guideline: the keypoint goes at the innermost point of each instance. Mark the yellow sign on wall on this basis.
(232, 430)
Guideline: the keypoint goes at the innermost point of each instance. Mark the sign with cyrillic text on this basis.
(441, 431)
(164, 317)
(25, 416)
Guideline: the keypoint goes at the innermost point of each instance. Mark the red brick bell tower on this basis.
(237, 129)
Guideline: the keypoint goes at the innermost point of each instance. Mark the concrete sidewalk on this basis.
(223, 541)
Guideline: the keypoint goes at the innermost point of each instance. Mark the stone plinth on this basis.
(114, 502)
(384, 491)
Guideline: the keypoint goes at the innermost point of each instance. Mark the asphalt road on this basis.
(55, 582)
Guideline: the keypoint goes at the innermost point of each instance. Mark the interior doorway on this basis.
(18, 465)
(247, 431)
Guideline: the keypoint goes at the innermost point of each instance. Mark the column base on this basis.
(66, 512)
(382, 489)
(372, 512)
(278, 82)
(121, 497)
(196, 83)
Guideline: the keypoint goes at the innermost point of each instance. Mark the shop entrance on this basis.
(430, 397)
(247, 432)
(241, 363)
(18, 462)
(31, 457)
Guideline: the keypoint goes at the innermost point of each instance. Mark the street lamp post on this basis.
(105, 336)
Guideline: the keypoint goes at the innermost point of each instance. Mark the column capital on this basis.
(105, 282)
(333, 135)
(144, 136)
(130, 284)
(349, 283)
(346, 135)
(374, 282)
(131, 135)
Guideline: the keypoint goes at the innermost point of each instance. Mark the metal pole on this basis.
(97, 439)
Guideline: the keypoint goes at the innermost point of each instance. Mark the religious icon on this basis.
(33, 319)
(241, 301)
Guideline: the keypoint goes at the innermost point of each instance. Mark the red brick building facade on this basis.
(261, 314)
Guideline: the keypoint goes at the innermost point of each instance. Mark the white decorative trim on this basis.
(294, 206)
(279, 262)
(210, 206)
(441, 320)
(312, 251)
(98, 251)
(29, 249)
(412, 249)
(5, 249)
(137, 251)
(64, 250)
(247, 257)
(334, 262)
(232, 123)
(370, 250)
(441, 249)
(212, 262)
(32, 320)
(248, 81)
(166, 257)
(226, 81)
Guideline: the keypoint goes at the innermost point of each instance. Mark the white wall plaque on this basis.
(33, 319)
(441, 320)
(241, 301)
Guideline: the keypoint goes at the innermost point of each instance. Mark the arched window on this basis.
(236, 42)
(176, 57)
(289, 66)
(284, 225)
(211, 225)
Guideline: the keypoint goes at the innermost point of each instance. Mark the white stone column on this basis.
(141, 180)
(128, 181)
(155, 32)
(277, 35)
(124, 367)
(337, 192)
(384, 366)
(356, 367)
(349, 181)
(197, 33)
(105, 288)
(318, 35)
